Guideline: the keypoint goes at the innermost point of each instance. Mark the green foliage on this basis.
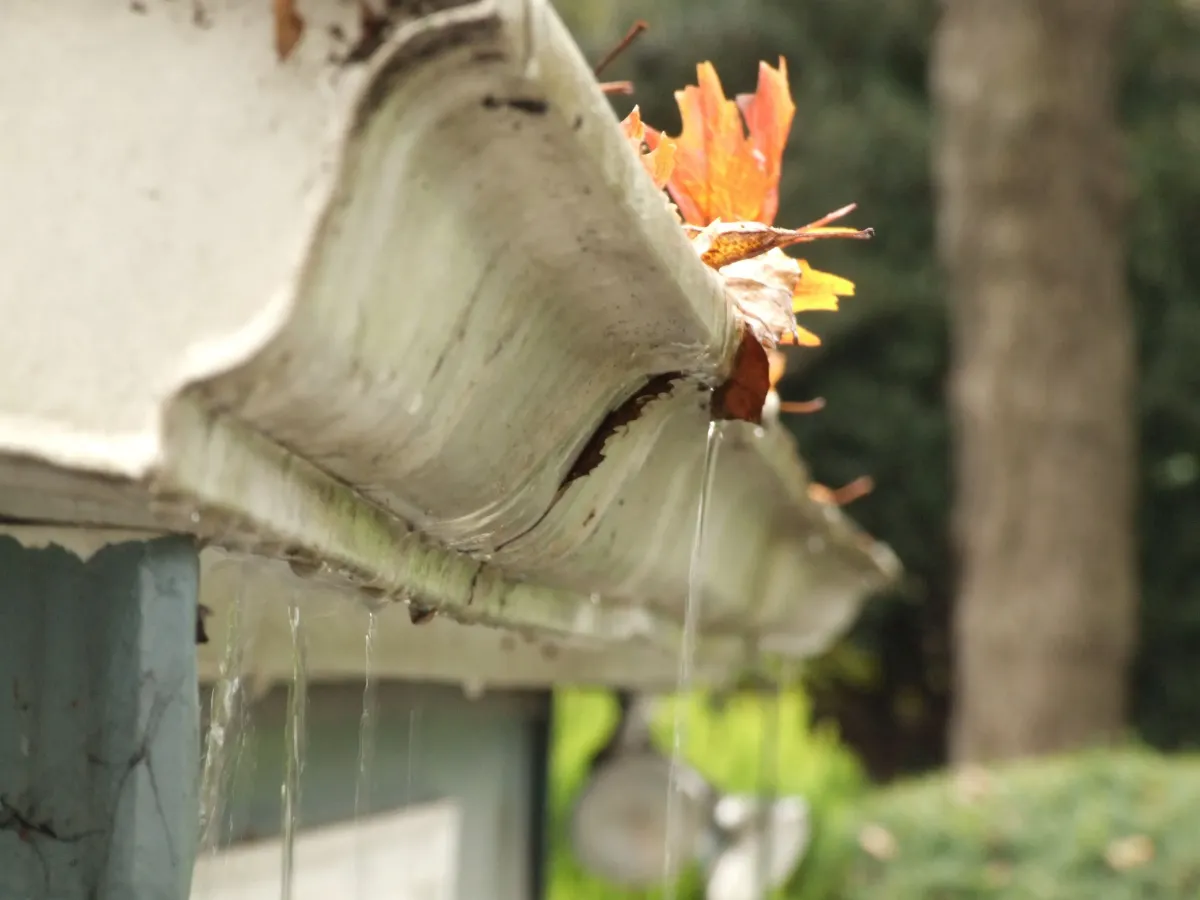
(727, 745)
(1162, 103)
(1053, 829)
(1101, 826)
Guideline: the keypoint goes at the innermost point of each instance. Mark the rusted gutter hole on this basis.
(592, 453)
(629, 411)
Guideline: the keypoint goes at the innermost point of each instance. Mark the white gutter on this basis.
(367, 316)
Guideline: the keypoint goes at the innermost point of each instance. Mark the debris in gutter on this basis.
(722, 173)
(420, 615)
(744, 393)
(202, 614)
(618, 87)
(847, 493)
(620, 47)
(289, 27)
(778, 365)
(200, 17)
(534, 106)
(374, 28)
(372, 32)
(802, 407)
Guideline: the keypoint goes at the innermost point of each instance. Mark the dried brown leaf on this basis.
(289, 27)
(723, 243)
(744, 393)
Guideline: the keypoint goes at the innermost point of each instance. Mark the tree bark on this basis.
(1031, 190)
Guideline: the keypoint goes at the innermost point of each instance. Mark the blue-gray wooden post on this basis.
(99, 721)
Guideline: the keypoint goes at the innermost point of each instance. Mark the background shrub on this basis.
(1101, 826)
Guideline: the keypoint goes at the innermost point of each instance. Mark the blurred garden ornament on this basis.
(619, 823)
(759, 848)
(618, 827)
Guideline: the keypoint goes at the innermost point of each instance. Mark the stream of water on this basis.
(687, 650)
(367, 724)
(294, 748)
(769, 708)
(229, 726)
(414, 723)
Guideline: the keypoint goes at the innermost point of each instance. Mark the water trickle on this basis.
(414, 722)
(770, 704)
(229, 725)
(532, 67)
(366, 752)
(294, 747)
(687, 650)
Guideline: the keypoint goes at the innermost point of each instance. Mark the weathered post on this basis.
(99, 725)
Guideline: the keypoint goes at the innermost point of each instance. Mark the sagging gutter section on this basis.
(326, 530)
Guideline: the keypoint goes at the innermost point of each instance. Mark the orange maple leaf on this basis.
(720, 171)
(725, 183)
(659, 159)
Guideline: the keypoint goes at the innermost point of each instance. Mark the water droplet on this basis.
(366, 751)
(415, 404)
(305, 568)
(294, 739)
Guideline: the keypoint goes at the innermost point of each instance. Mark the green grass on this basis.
(728, 747)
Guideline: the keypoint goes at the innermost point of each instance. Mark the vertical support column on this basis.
(99, 718)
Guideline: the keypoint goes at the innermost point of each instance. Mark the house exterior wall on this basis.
(474, 767)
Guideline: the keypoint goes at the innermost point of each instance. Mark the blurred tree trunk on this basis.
(1031, 184)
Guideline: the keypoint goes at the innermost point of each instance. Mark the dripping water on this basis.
(414, 721)
(294, 736)
(532, 69)
(229, 725)
(769, 709)
(687, 649)
(366, 750)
